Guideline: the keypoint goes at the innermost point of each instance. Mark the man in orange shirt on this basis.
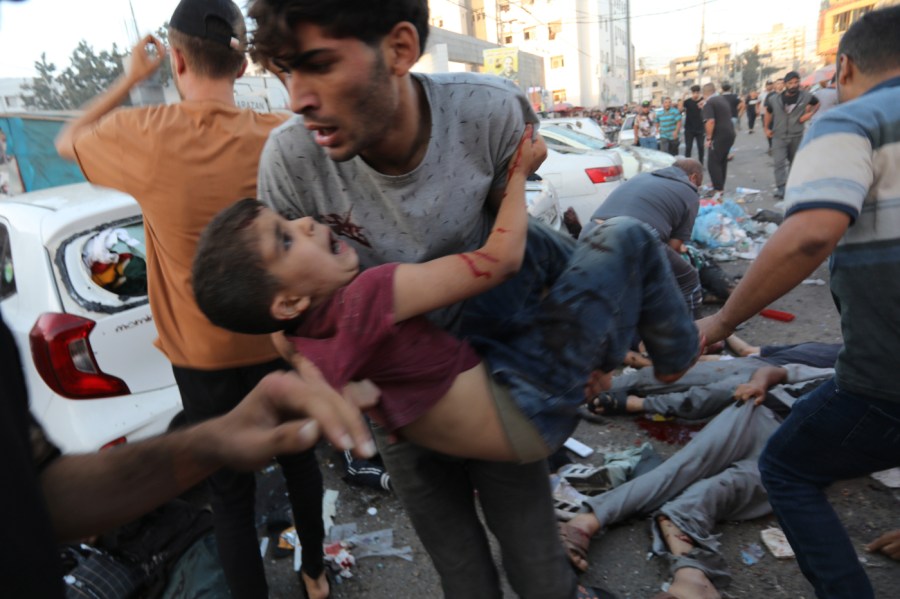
(184, 163)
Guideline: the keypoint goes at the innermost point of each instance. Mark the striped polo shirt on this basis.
(848, 161)
(667, 120)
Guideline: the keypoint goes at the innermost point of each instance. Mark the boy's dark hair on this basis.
(231, 284)
(209, 58)
(726, 87)
(873, 42)
(365, 20)
(695, 88)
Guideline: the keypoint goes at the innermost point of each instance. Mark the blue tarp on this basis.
(30, 141)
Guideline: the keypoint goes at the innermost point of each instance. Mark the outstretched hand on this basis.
(888, 544)
(750, 392)
(145, 61)
(285, 413)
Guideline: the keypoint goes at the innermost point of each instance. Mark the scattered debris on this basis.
(813, 282)
(777, 315)
(578, 447)
(752, 553)
(889, 478)
(371, 511)
(777, 543)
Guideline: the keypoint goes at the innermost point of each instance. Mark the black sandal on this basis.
(609, 403)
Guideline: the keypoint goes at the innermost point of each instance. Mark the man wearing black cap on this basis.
(184, 163)
(783, 122)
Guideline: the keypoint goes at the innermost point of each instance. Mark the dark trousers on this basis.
(687, 278)
(717, 162)
(669, 145)
(751, 119)
(209, 393)
(830, 435)
(689, 138)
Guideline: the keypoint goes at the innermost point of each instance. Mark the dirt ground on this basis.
(619, 557)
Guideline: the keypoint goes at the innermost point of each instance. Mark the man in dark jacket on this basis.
(783, 121)
(667, 201)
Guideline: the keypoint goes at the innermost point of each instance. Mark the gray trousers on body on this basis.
(713, 478)
(707, 388)
(783, 151)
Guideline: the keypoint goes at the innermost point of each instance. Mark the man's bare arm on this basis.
(142, 66)
(285, 413)
(796, 249)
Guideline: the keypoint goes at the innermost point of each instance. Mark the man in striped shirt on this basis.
(669, 119)
(843, 199)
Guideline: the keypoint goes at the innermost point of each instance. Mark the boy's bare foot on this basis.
(576, 538)
(316, 588)
(691, 583)
(740, 347)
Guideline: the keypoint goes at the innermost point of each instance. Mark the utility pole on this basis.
(700, 53)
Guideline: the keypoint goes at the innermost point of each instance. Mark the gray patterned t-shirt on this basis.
(436, 209)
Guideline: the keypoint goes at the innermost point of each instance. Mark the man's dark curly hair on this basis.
(366, 20)
(231, 284)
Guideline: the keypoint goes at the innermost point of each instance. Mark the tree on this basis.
(165, 69)
(46, 93)
(752, 70)
(87, 75)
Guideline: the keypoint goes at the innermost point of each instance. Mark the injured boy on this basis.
(516, 399)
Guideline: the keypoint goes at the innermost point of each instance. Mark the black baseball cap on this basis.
(792, 75)
(208, 19)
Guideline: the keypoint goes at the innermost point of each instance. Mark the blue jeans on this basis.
(830, 435)
(649, 142)
(575, 308)
(439, 492)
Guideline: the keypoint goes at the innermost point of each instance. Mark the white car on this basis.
(635, 160)
(543, 202)
(94, 377)
(582, 180)
(579, 124)
(626, 133)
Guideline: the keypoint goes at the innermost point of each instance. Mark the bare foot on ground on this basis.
(316, 588)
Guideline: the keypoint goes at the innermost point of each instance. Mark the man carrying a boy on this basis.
(406, 167)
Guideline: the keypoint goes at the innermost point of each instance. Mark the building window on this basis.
(507, 39)
(530, 33)
(439, 22)
(557, 62)
(554, 29)
(559, 95)
(841, 22)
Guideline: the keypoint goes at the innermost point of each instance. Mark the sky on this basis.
(660, 30)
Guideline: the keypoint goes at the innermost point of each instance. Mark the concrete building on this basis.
(585, 44)
(835, 17)
(652, 85)
(782, 48)
(11, 93)
(715, 64)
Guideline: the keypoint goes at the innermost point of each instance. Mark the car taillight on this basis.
(602, 174)
(63, 357)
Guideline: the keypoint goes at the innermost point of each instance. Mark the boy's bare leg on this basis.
(741, 347)
(688, 583)
(464, 423)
